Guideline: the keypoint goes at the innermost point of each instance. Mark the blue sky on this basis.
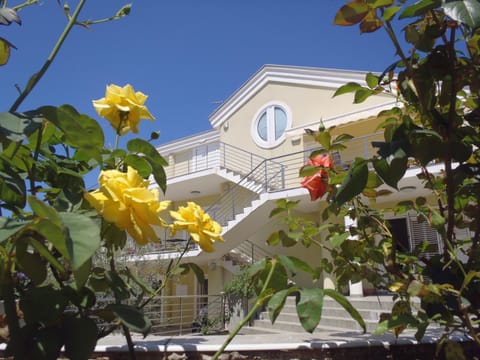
(187, 55)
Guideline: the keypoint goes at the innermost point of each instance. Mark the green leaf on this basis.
(80, 130)
(354, 182)
(5, 46)
(143, 147)
(82, 273)
(308, 170)
(42, 210)
(82, 237)
(156, 161)
(119, 287)
(9, 227)
(142, 284)
(323, 137)
(343, 301)
(390, 12)
(309, 308)
(80, 336)
(465, 11)
(42, 304)
(131, 317)
(140, 164)
(257, 267)
(391, 174)
(342, 138)
(347, 88)
(372, 80)
(337, 239)
(279, 279)
(33, 266)
(273, 239)
(197, 270)
(470, 276)
(276, 303)
(362, 94)
(12, 187)
(373, 181)
(17, 127)
(286, 240)
(98, 279)
(54, 233)
(293, 264)
(277, 211)
(420, 8)
(394, 322)
(47, 255)
(351, 13)
(35, 342)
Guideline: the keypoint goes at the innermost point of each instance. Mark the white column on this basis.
(356, 289)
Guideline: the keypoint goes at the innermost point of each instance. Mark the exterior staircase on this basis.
(334, 316)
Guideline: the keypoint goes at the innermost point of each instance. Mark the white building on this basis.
(251, 157)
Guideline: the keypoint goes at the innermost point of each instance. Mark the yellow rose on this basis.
(123, 107)
(203, 230)
(125, 200)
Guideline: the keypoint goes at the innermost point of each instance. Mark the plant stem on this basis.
(35, 78)
(258, 304)
(10, 305)
(167, 275)
(126, 330)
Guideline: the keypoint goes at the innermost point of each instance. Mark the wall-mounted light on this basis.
(226, 125)
(296, 140)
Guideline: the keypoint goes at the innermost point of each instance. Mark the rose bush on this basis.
(60, 245)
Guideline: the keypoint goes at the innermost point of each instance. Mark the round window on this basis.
(270, 124)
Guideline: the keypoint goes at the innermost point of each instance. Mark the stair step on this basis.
(339, 325)
(367, 315)
(334, 316)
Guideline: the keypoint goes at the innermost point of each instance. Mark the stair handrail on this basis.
(267, 173)
(251, 251)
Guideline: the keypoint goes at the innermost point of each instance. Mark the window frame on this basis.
(269, 109)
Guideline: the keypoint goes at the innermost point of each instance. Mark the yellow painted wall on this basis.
(307, 105)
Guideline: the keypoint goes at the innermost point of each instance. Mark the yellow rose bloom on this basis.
(203, 230)
(125, 200)
(123, 107)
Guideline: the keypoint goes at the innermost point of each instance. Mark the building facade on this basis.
(251, 157)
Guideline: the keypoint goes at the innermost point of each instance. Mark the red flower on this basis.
(317, 184)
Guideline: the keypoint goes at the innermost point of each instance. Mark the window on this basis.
(409, 233)
(269, 125)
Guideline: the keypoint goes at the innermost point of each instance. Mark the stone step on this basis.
(366, 314)
(337, 324)
(343, 321)
(334, 316)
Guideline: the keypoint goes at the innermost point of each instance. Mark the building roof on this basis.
(299, 75)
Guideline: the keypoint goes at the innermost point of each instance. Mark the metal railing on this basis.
(177, 315)
(212, 155)
(248, 253)
(279, 174)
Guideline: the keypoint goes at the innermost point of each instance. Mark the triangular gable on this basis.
(310, 76)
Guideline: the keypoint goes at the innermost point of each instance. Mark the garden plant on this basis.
(435, 80)
(53, 231)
